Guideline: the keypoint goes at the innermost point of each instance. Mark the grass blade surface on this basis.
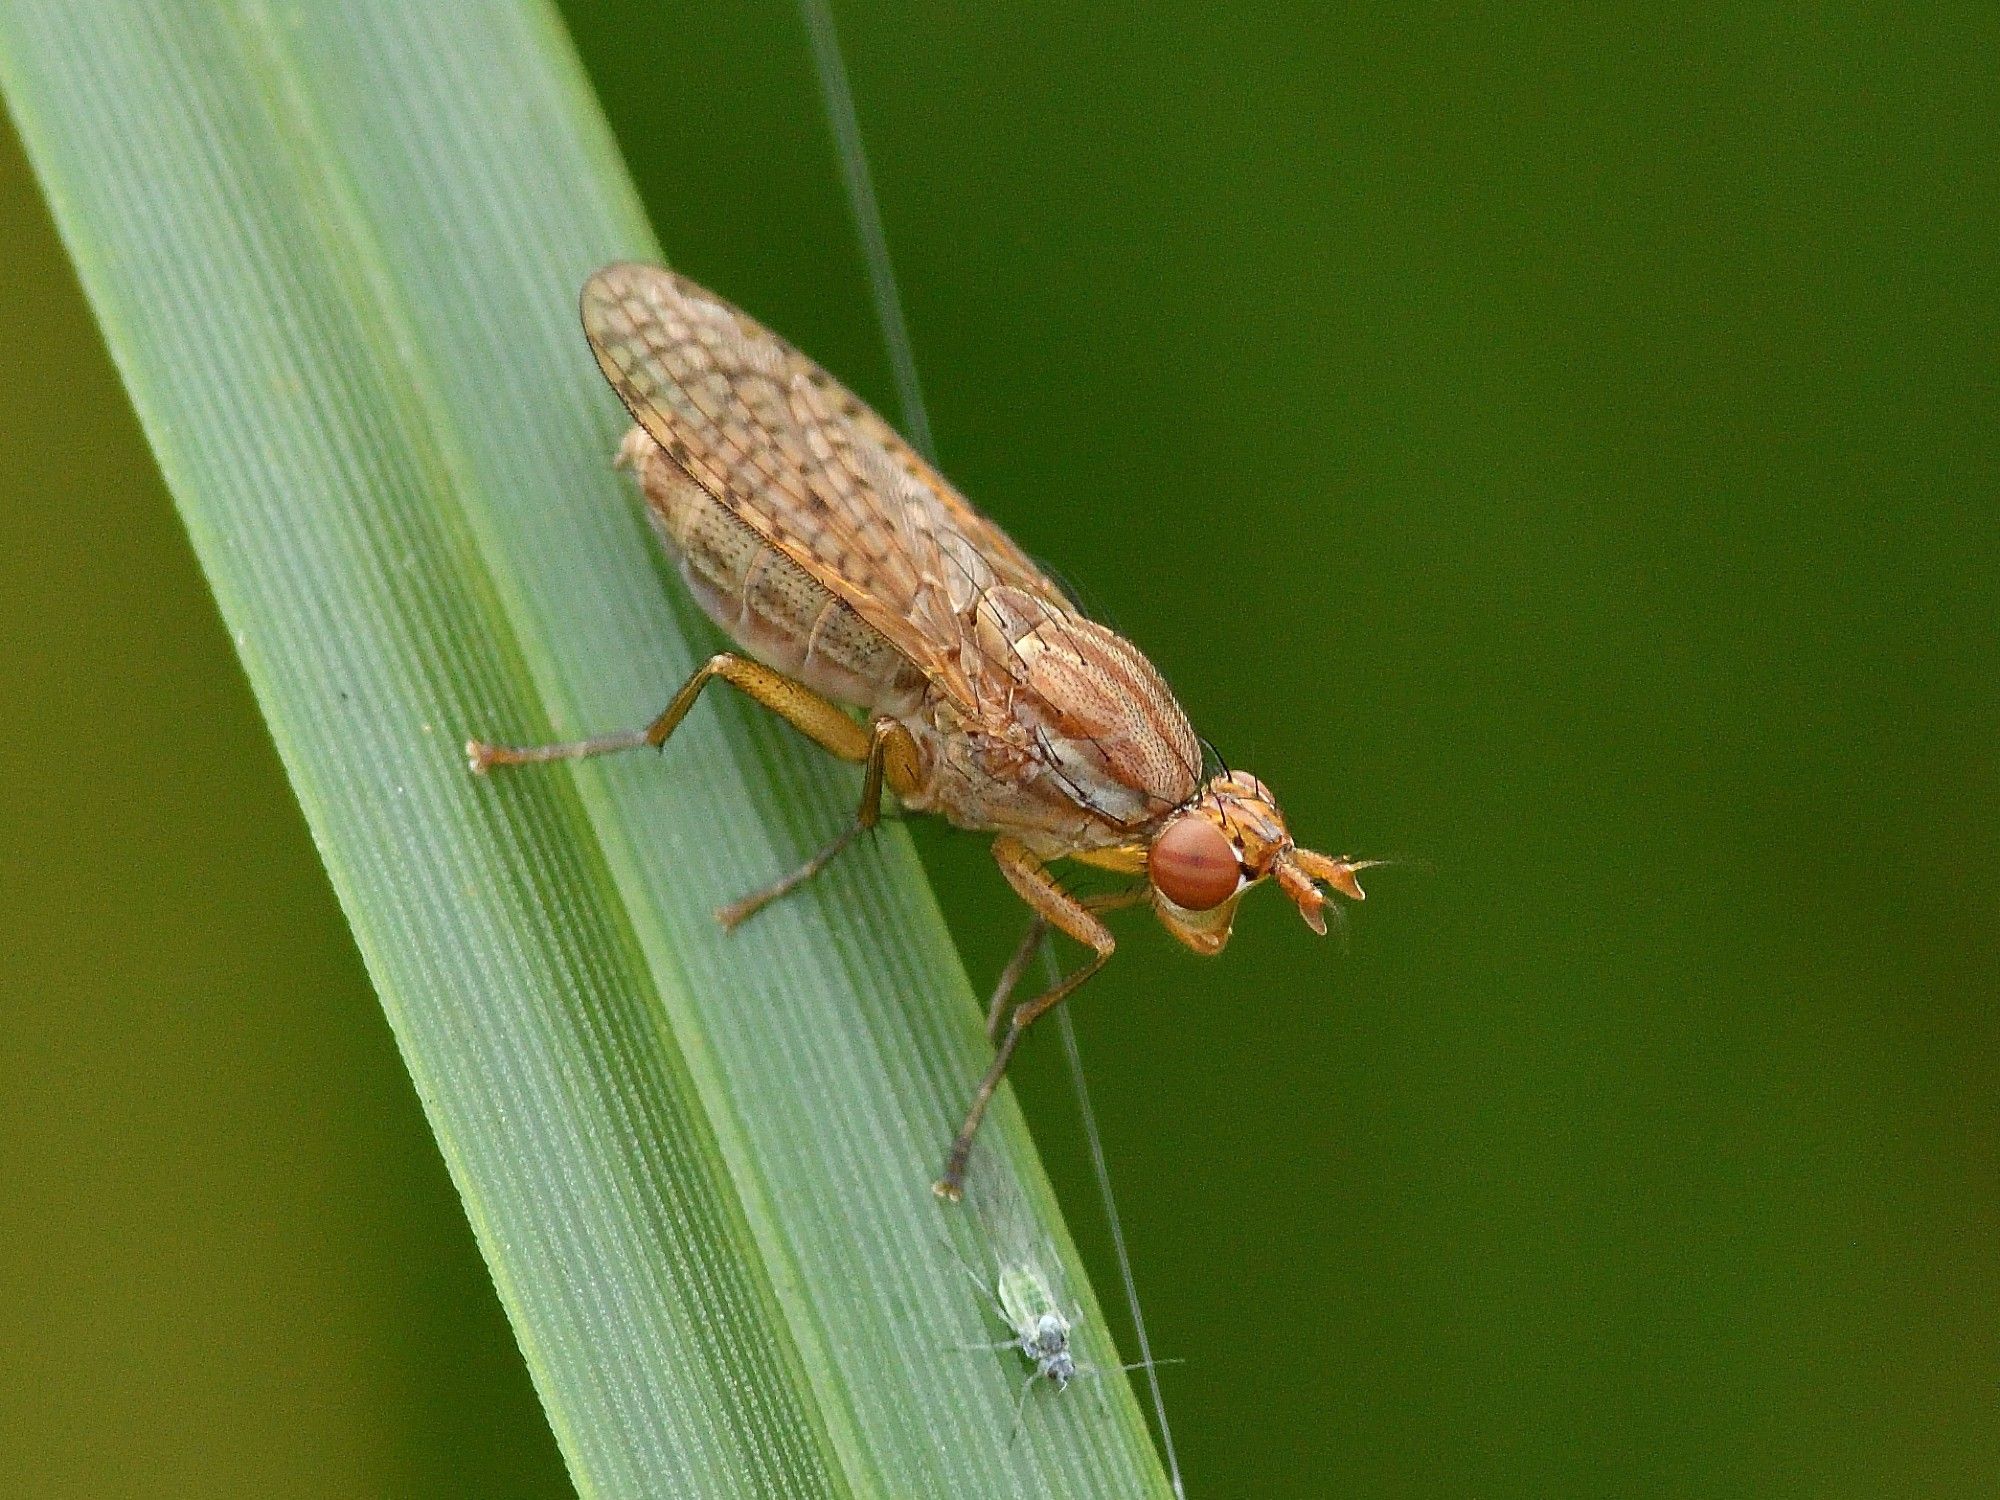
(335, 252)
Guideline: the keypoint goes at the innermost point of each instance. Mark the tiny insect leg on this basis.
(891, 756)
(1052, 904)
(1020, 1406)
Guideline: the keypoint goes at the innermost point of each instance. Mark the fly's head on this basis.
(1229, 838)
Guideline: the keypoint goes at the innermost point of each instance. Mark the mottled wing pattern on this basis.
(820, 476)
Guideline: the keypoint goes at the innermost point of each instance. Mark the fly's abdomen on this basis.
(769, 605)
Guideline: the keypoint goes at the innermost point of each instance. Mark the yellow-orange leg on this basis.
(1010, 977)
(820, 721)
(884, 747)
(886, 739)
(1055, 906)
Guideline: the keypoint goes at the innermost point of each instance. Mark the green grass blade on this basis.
(335, 252)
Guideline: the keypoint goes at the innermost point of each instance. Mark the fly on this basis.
(851, 575)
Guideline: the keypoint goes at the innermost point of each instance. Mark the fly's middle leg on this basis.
(891, 758)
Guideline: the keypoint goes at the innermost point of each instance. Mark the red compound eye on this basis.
(1193, 864)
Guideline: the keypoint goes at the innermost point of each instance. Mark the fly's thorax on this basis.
(1203, 858)
(769, 605)
(1087, 716)
(991, 771)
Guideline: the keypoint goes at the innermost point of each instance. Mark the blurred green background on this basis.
(1559, 449)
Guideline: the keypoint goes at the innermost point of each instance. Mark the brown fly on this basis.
(850, 573)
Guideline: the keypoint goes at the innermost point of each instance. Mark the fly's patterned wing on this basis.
(817, 474)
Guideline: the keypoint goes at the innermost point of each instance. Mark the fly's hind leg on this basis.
(817, 719)
(884, 747)
(1055, 906)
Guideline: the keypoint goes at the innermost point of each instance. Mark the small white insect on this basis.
(1040, 1328)
(1021, 1289)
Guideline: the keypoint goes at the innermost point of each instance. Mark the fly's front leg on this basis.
(892, 757)
(1056, 907)
(1010, 977)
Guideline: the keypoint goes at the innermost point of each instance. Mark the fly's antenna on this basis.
(1067, 1029)
(841, 119)
(838, 96)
